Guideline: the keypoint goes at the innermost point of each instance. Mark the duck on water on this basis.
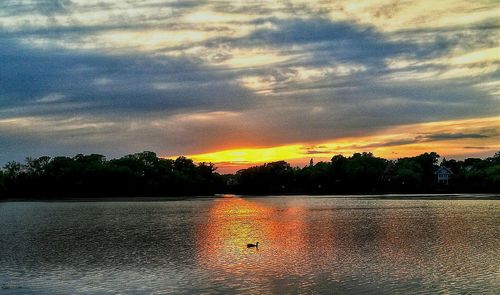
(256, 245)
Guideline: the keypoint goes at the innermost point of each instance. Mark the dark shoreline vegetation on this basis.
(146, 175)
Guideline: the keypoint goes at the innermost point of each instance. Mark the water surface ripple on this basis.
(308, 245)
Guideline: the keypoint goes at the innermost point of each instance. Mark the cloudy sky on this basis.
(238, 82)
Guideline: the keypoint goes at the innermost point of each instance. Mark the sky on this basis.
(243, 82)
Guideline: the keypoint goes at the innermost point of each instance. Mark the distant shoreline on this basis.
(464, 196)
(148, 177)
(108, 199)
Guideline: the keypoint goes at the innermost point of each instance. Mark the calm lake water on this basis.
(308, 245)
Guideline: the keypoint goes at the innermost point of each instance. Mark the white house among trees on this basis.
(443, 174)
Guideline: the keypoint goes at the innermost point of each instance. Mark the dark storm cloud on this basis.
(329, 41)
(477, 147)
(107, 84)
(361, 106)
(45, 7)
(115, 99)
(318, 150)
(446, 136)
(326, 41)
(51, 7)
(362, 101)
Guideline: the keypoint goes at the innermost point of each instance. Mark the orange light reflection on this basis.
(235, 222)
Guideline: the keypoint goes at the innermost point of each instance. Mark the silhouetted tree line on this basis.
(140, 174)
(365, 173)
(145, 174)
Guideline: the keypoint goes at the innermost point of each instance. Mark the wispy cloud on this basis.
(391, 143)
(196, 76)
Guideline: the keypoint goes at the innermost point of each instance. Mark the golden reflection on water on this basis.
(345, 244)
(308, 245)
(235, 222)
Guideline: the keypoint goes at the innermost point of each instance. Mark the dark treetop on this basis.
(144, 174)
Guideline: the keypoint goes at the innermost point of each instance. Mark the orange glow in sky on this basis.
(456, 138)
(239, 83)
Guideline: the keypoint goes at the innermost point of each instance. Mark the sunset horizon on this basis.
(451, 139)
(249, 147)
(237, 84)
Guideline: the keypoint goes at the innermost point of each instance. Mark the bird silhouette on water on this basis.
(256, 245)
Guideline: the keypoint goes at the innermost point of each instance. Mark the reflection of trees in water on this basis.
(315, 245)
(395, 245)
(469, 240)
(96, 236)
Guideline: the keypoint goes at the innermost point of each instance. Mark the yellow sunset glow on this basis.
(401, 141)
(251, 155)
(490, 54)
(391, 15)
(239, 83)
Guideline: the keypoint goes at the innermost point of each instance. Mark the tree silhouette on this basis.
(146, 174)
